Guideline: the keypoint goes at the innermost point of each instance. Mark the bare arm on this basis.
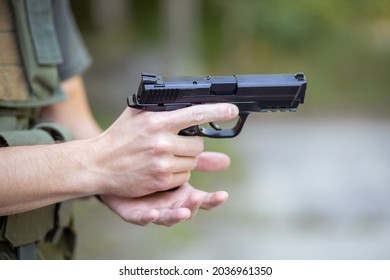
(35, 176)
(75, 112)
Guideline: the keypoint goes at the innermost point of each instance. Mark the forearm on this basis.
(36, 176)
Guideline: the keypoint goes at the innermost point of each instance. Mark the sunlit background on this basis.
(314, 184)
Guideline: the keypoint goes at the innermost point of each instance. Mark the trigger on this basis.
(215, 126)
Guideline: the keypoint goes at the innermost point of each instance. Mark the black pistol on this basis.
(250, 93)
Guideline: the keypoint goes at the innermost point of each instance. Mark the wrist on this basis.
(81, 177)
(92, 172)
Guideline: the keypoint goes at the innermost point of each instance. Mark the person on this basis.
(129, 166)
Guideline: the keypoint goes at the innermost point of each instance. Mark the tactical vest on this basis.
(29, 56)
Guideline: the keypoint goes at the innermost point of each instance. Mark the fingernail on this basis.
(233, 110)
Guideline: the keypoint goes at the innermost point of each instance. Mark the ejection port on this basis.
(223, 85)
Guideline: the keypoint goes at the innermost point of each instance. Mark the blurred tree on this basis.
(110, 16)
(146, 19)
(342, 45)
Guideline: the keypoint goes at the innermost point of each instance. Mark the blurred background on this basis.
(314, 184)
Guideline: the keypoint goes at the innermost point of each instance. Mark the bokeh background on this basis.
(314, 184)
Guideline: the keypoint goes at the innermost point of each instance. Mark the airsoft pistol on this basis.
(250, 93)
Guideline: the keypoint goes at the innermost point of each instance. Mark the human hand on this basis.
(212, 162)
(142, 153)
(171, 207)
(164, 208)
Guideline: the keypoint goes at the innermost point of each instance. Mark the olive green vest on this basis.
(29, 55)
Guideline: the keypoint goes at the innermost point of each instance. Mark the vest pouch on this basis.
(21, 229)
(40, 53)
(25, 137)
(29, 227)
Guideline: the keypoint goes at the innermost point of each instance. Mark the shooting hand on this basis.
(142, 153)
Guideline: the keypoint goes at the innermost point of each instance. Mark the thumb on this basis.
(212, 161)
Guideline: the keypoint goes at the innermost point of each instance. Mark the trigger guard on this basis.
(215, 126)
(226, 133)
(217, 133)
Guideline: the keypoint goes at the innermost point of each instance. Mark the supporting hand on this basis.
(164, 208)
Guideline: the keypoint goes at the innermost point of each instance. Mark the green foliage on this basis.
(343, 46)
(145, 19)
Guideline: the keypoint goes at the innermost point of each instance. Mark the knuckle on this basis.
(161, 145)
(197, 114)
(155, 123)
(161, 167)
(149, 122)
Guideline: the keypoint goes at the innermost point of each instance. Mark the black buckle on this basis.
(27, 252)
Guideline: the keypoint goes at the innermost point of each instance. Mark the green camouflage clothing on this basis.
(40, 46)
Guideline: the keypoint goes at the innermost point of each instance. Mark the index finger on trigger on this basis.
(200, 114)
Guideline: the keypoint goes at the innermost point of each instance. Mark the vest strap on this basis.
(33, 28)
(24, 138)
